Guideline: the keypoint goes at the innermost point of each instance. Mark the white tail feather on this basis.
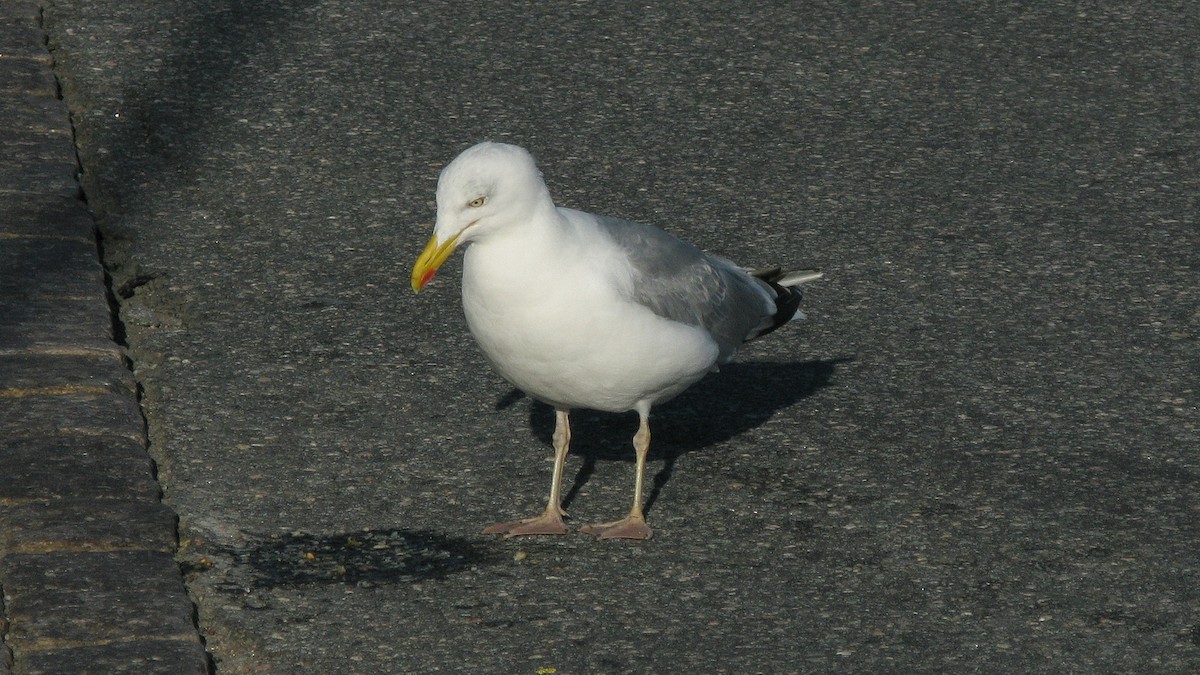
(797, 277)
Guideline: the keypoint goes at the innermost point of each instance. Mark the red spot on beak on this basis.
(428, 275)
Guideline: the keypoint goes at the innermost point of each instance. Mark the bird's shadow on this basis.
(739, 398)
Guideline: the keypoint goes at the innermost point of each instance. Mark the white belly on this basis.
(570, 340)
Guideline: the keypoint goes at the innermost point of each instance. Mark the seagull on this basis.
(588, 311)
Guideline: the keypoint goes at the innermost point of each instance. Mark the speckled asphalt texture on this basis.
(978, 454)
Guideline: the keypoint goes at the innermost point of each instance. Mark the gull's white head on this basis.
(488, 186)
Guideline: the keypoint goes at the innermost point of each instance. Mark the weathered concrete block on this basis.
(28, 76)
(55, 323)
(65, 467)
(69, 595)
(37, 115)
(28, 156)
(45, 216)
(49, 268)
(21, 170)
(88, 525)
(22, 22)
(108, 571)
(78, 612)
(143, 657)
(103, 412)
(38, 371)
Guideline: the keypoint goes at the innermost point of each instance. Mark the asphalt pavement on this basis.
(979, 453)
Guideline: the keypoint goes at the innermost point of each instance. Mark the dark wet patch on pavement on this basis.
(359, 558)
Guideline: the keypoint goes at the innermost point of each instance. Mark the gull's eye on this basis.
(477, 202)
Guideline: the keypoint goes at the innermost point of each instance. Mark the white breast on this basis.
(558, 328)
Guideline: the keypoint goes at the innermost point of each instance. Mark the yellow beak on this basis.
(431, 259)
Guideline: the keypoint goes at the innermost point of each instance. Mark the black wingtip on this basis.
(787, 298)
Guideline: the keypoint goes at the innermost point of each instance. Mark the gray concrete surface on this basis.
(978, 454)
(88, 580)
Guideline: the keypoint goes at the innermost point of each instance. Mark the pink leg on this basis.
(634, 525)
(551, 520)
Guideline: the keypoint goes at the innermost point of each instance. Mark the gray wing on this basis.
(678, 281)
